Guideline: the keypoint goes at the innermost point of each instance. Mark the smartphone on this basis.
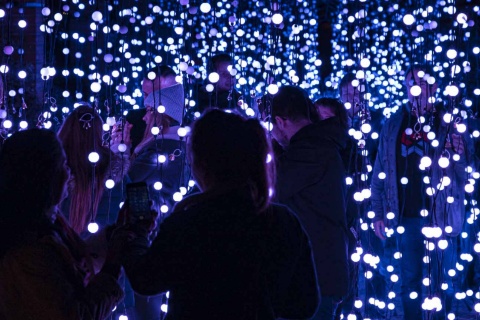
(138, 201)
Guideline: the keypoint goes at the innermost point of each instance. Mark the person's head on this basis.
(228, 151)
(290, 110)
(421, 86)
(331, 107)
(350, 94)
(33, 175)
(81, 133)
(164, 77)
(220, 64)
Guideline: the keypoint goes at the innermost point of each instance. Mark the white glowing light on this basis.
(93, 157)
(92, 227)
(109, 184)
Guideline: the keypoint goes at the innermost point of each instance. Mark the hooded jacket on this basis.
(311, 181)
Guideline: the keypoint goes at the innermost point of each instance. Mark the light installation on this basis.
(99, 51)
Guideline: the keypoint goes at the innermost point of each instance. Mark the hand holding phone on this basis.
(138, 202)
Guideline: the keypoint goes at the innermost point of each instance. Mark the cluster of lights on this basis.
(272, 44)
(378, 41)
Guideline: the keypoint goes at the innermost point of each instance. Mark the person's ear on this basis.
(281, 122)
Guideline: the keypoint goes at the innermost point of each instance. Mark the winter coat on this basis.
(220, 259)
(311, 182)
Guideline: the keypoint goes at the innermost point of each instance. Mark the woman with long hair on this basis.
(81, 134)
(45, 271)
(227, 252)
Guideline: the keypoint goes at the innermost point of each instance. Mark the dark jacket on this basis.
(311, 181)
(221, 260)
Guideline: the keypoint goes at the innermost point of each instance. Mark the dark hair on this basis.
(79, 139)
(219, 58)
(294, 104)
(229, 150)
(32, 178)
(337, 107)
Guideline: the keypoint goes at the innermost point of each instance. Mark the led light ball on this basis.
(92, 227)
(23, 124)
(108, 58)
(109, 184)
(366, 128)
(93, 157)
(365, 63)
(209, 87)
(123, 317)
(155, 130)
(7, 124)
(205, 7)
(164, 208)
(8, 50)
(461, 127)
(122, 147)
(443, 162)
(415, 90)
(272, 89)
(277, 18)
(408, 19)
(469, 188)
(426, 162)
(122, 88)
(162, 158)
(182, 132)
(213, 77)
(451, 54)
(158, 186)
(97, 16)
(46, 11)
(95, 87)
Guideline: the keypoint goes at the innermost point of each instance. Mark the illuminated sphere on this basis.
(209, 87)
(162, 158)
(415, 90)
(155, 130)
(469, 188)
(23, 124)
(46, 11)
(122, 88)
(177, 196)
(97, 16)
(182, 132)
(158, 185)
(365, 63)
(451, 53)
(108, 58)
(408, 19)
(213, 77)
(122, 147)
(426, 162)
(92, 227)
(8, 50)
(366, 128)
(164, 208)
(95, 87)
(277, 18)
(443, 162)
(272, 88)
(109, 184)
(161, 108)
(7, 124)
(205, 7)
(93, 157)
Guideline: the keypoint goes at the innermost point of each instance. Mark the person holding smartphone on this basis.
(227, 252)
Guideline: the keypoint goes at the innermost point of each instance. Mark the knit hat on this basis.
(172, 98)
